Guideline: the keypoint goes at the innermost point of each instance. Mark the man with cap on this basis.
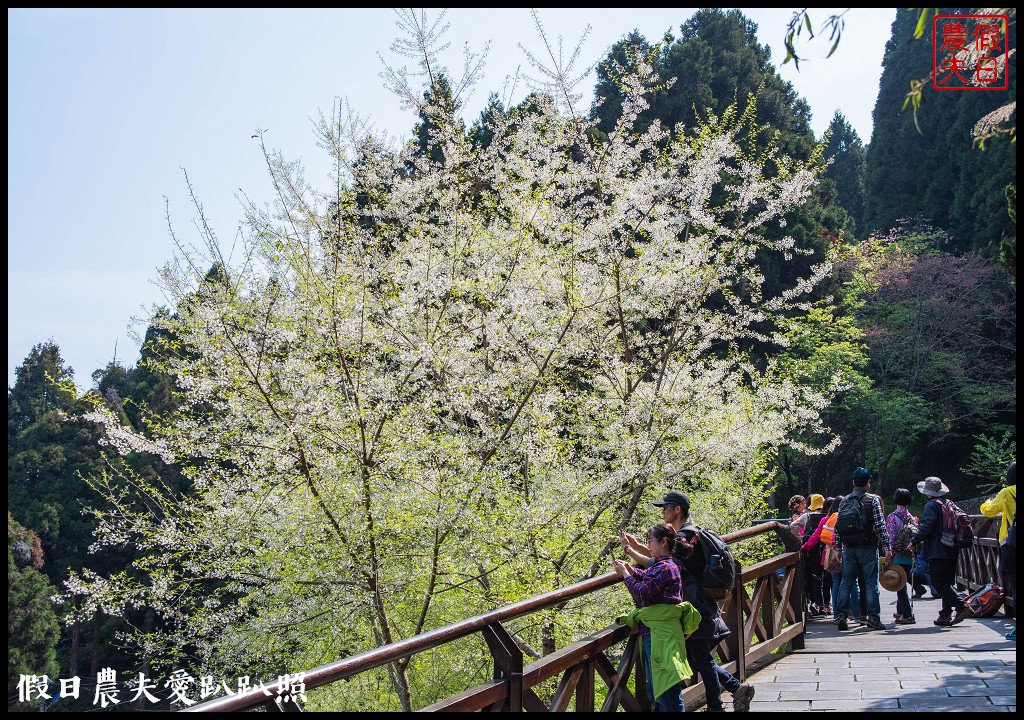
(859, 552)
(675, 510)
(941, 559)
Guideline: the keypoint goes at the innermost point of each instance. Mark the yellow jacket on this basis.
(669, 624)
(1004, 502)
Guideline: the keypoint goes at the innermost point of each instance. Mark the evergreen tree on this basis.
(482, 131)
(847, 169)
(924, 163)
(32, 627)
(716, 62)
(47, 450)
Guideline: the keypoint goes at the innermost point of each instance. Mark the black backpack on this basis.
(813, 520)
(854, 523)
(719, 574)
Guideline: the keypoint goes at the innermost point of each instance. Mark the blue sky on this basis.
(107, 109)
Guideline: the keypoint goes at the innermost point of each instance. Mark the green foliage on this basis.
(990, 457)
(801, 20)
(1008, 245)
(932, 170)
(939, 336)
(32, 628)
(47, 450)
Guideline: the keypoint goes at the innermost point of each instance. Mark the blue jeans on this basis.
(860, 561)
(671, 700)
(715, 678)
(837, 580)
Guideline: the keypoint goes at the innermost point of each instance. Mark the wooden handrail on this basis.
(350, 666)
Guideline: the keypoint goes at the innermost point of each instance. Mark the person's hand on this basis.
(628, 540)
(617, 566)
(888, 557)
(623, 568)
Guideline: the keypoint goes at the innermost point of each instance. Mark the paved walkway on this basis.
(905, 668)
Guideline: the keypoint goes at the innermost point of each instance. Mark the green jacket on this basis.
(669, 624)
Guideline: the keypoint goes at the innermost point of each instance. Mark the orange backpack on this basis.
(829, 531)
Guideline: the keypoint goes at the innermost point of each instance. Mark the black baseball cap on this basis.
(675, 498)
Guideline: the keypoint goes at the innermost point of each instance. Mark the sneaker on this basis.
(962, 614)
(943, 621)
(919, 593)
(827, 609)
(742, 697)
(1012, 635)
(843, 625)
(906, 620)
(874, 623)
(860, 620)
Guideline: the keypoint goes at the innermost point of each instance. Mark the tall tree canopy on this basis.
(940, 334)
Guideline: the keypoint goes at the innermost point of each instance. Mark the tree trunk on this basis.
(76, 636)
(146, 666)
(547, 634)
(97, 626)
(398, 671)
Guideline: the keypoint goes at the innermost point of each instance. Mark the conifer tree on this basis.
(846, 171)
(924, 164)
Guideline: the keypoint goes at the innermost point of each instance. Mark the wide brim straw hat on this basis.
(893, 578)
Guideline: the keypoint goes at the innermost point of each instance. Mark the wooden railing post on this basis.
(508, 664)
(585, 688)
(640, 680)
(734, 621)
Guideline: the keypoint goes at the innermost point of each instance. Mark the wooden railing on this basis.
(979, 564)
(764, 610)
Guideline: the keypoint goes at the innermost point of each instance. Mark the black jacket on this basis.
(929, 532)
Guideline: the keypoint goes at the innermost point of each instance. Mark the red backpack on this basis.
(986, 601)
(957, 532)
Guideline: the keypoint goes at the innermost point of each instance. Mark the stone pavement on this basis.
(905, 668)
